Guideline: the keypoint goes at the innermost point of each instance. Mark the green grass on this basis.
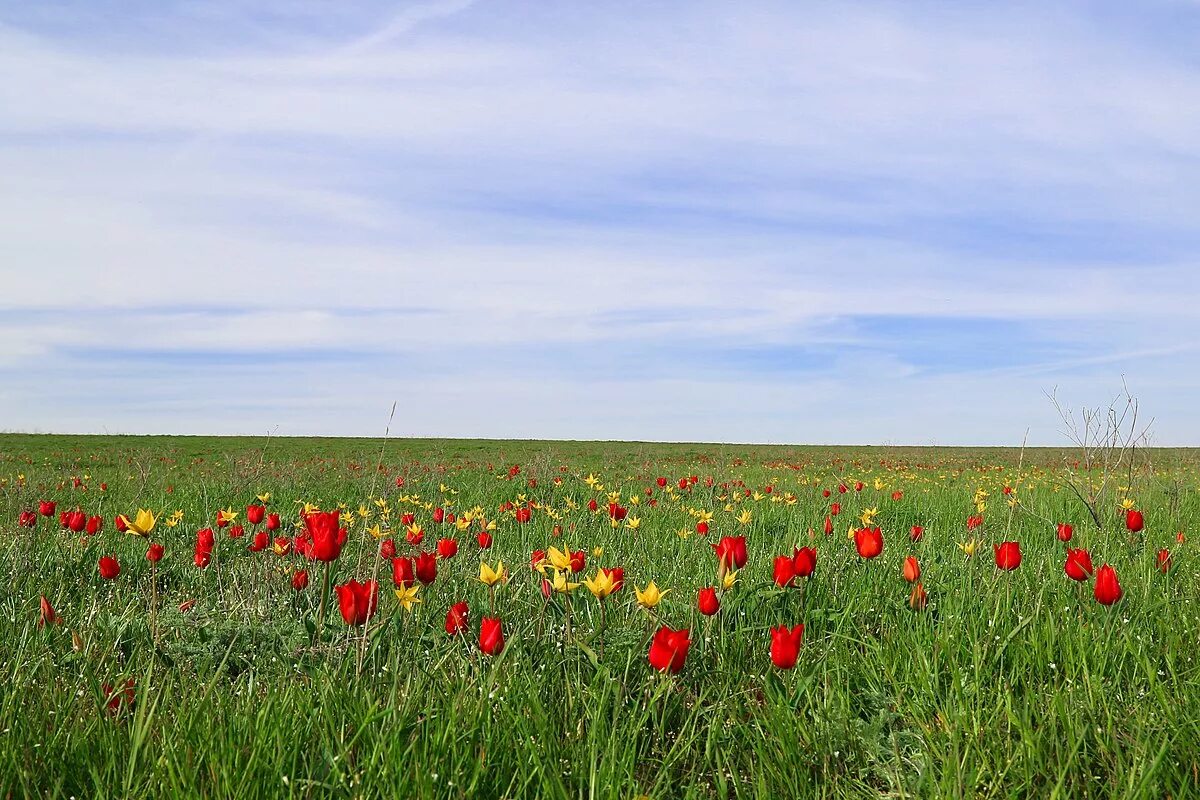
(1008, 685)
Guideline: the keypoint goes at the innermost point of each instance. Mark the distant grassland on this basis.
(1006, 684)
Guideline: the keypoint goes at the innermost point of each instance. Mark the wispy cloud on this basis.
(768, 222)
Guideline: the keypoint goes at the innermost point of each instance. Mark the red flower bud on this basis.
(109, 568)
(785, 645)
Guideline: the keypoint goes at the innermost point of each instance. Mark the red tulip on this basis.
(1108, 588)
(917, 599)
(974, 522)
(387, 549)
(835, 509)
(439, 515)
(828, 525)
(255, 514)
(456, 618)
(702, 528)
(447, 548)
(785, 572)
(426, 567)
(662, 482)
(485, 540)
(912, 570)
(402, 571)
(415, 536)
(1134, 522)
(858, 486)
(1164, 561)
(804, 561)
(46, 508)
(825, 493)
(731, 551)
(109, 568)
(618, 577)
(491, 636)
(1079, 564)
(154, 552)
(47, 615)
(407, 519)
(578, 561)
(282, 545)
(785, 645)
(325, 536)
(617, 512)
(116, 698)
(300, 580)
(205, 542)
(868, 542)
(1064, 531)
(523, 515)
(1008, 555)
(272, 522)
(593, 506)
(237, 532)
(897, 496)
(120, 524)
(94, 525)
(358, 601)
(917, 533)
(537, 558)
(668, 649)
(76, 521)
(842, 488)
(27, 519)
(64, 520)
(708, 602)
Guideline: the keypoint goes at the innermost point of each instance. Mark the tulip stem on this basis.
(154, 601)
(602, 626)
(324, 602)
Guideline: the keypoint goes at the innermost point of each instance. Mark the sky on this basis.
(794, 222)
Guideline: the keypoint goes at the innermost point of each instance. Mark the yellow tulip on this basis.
(560, 583)
(407, 595)
(142, 524)
(650, 596)
(559, 559)
(489, 576)
(601, 585)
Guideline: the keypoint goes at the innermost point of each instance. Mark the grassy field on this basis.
(1005, 683)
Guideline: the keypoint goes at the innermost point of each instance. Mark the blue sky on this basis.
(771, 222)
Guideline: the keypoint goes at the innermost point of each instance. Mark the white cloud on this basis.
(451, 179)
